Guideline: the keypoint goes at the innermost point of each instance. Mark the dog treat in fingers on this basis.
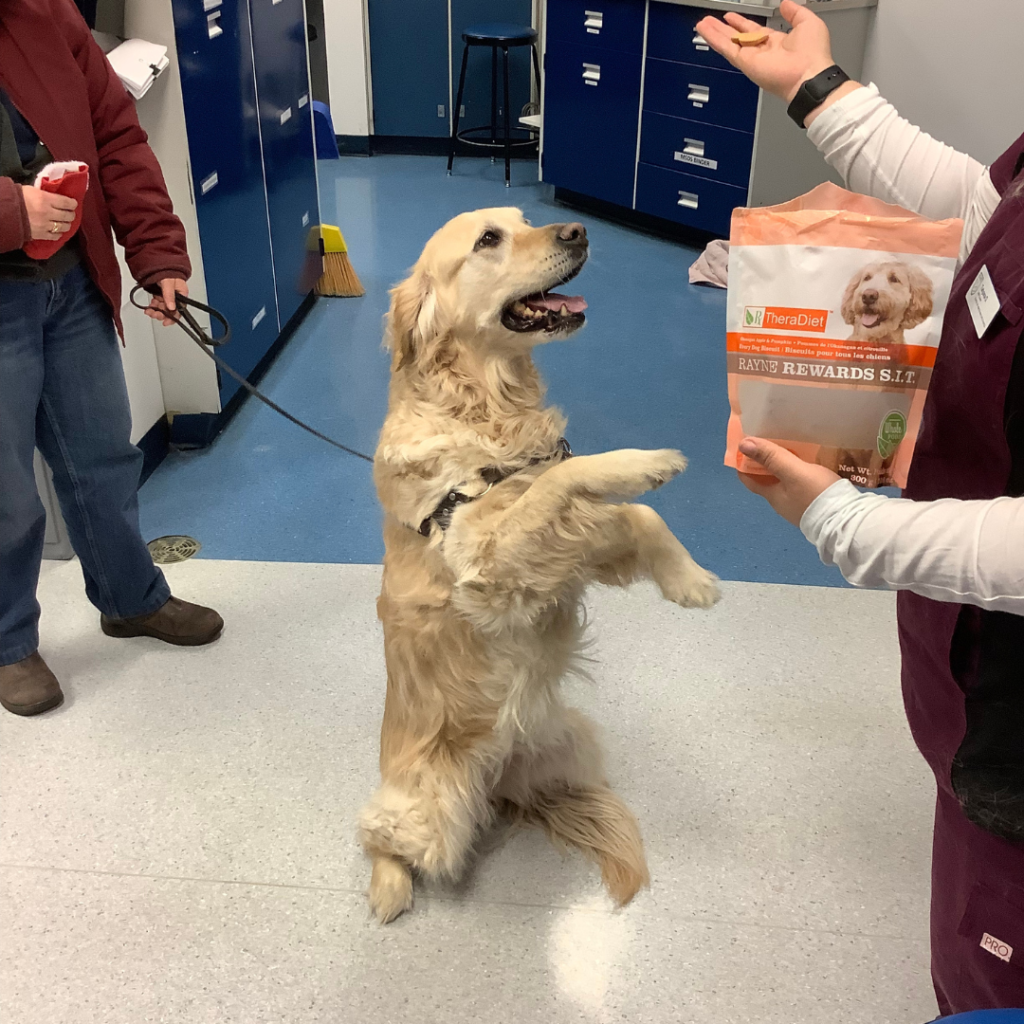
(833, 320)
(751, 38)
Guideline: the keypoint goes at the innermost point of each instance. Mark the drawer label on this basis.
(697, 161)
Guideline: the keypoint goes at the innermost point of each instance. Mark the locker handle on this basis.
(213, 28)
(591, 74)
(699, 93)
(689, 199)
(209, 5)
(210, 181)
(593, 22)
(700, 42)
(694, 147)
(286, 115)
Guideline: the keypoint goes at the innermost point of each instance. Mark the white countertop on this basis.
(770, 7)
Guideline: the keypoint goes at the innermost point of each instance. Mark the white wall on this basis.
(954, 67)
(344, 22)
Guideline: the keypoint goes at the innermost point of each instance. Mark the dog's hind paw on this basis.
(694, 588)
(390, 889)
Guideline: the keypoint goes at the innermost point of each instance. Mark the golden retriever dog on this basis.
(885, 299)
(492, 535)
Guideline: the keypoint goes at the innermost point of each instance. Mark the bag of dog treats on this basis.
(835, 310)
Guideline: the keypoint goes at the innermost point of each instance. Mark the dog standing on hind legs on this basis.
(492, 534)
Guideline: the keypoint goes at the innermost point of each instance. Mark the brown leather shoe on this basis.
(177, 622)
(28, 687)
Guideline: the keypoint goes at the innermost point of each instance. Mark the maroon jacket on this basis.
(65, 88)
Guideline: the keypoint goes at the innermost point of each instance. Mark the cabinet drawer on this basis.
(701, 94)
(591, 107)
(610, 24)
(723, 154)
(687, 199)
(672, 35)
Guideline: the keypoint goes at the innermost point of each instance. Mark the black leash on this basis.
(188, 323)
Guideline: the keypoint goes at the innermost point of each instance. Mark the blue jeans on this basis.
(62, 390)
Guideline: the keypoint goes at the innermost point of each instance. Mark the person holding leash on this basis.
(62, 385)
(954, 544)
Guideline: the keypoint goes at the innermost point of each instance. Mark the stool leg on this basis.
(508, 136)
(494, 97)
(458, 107)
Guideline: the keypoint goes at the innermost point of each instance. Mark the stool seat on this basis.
(499, 33)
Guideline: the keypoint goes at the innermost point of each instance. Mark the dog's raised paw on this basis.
(694, 588)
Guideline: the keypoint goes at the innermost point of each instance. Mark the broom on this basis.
(338, 277)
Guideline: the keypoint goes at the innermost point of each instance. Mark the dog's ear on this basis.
(410, 318)
(921, 299)
(848, 297)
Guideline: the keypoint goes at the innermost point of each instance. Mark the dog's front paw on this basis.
(658, 467)
(693, 588)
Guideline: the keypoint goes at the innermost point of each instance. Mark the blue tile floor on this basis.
(648, 371)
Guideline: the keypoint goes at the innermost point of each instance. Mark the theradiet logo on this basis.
(780, 318)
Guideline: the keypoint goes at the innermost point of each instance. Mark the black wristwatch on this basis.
(815, 91)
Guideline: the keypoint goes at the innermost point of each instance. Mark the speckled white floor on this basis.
(177, 839)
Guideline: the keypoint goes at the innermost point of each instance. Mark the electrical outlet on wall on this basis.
(440, 110)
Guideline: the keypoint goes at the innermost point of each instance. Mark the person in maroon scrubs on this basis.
(959, 565)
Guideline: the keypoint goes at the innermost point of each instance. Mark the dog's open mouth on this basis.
(870, 320)
(544, 311)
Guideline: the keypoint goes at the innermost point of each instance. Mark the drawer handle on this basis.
(699, 94)
(258, 318)
(689, 199)
(591, 74)
(593, 22)
(210, 181)
(700, 42)
(208, 5)
(694, 147)
(286, 115)
(304, 99)
(213, 28)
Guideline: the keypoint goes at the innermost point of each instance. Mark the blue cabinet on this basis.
(219, 91)
(279, 46)
(409, 66)
(608, 24)
(591, 108)
(245, 89)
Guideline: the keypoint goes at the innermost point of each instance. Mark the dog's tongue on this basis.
(555, 302)
(870, 319)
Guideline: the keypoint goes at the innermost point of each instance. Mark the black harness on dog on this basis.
(442, 515)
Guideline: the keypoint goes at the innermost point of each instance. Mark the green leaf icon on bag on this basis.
(750, 318)
(891, 431)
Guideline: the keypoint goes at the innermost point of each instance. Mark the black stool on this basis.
(498, 36)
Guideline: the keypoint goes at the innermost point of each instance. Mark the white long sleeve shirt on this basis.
(968, 552)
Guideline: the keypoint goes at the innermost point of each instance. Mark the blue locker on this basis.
(219, 92)
(409, 66)
(477, 96)
(591, 109)
(282, 86)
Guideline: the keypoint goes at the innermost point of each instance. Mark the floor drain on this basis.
(166, 550)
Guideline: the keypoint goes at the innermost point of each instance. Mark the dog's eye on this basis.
(488, 240)
(893, 279)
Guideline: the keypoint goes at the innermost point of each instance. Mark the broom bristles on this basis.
(339, 277)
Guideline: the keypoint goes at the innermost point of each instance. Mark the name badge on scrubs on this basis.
(983, 302)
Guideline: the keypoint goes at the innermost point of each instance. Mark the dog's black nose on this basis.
(573, 234)
(870, 297)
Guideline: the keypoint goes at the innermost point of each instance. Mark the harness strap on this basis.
(442, 515)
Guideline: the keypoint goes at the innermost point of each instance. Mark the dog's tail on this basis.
(598, 823)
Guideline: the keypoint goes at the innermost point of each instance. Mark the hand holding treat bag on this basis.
(71, 179)
(835, 310)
